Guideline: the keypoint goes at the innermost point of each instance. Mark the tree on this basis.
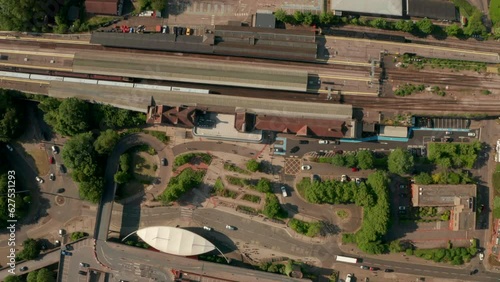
(32, 276)
(122, 177)
(350, 160)
(12, 278)
(107, 116)
(73, 117)
(424, 178)
(379, 23)
(272, 207)
(425, 26)
(338, 160)
(253, 165)
(31, 250)
(281, 15)
(158, 5)
(45, 275)
(475, 24)
(365, 159)
(10, 114)
(454, 30)
(405, 25)
(288, 267)
(400, 161)
(79, 154)
(106, 141)
(91, 189)
(77, 235)
(326, 18)
(264, 185)
(309, 18)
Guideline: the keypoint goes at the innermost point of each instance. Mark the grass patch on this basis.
(496, 179)
(496, 207)
(408, 89)
(237, 181)
(245, 209)
(421, 62)
(96, 21)
(302, 186)
(466, 9)
(235, 168)
(251, 198)
(342, 214)
(190, 157)
(310, 229)
(41, 160)
(221, 191)
(145, 148)
(158, 135)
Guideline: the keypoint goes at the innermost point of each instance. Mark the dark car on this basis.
(164, 162)
(320, 153)
(24, 268)
(66, 253)
(374, 268)
(176, 30)
(62, 168)
(303, 142)
(474, 271)
(60, 190)
(295, 149)
(388, 270)
(81, 272)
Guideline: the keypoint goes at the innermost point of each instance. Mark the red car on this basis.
(51, 160)
(354, 169)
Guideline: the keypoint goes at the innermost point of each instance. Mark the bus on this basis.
(347, 259)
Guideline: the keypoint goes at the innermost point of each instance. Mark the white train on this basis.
(100, 82)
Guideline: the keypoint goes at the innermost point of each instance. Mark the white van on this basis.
(324, 142)
(283, 190)
(348, 277)
(471, 134)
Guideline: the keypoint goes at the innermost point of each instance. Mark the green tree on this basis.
(339, 160)
(288, 267)
(326, 18)
(106, 141)
(125, 162)
(79, 154)
(424, 178)
(12, 278)
(351, 160)
(158, 5)
(31, 277)
(405, 25)
(31, 250)
(253, 165)
(91, 189)
(264, 185)
(45, 275)
(122, 177)
(309, 18)
(365, 159)
(73, 117)
(454, 30)
(395, 247)
(107, 116)
(379, 23)
(272, 207)
(475, 24)
(298, 16)
(425, 26)
(281, 15)
(400, 161)
(10, 114)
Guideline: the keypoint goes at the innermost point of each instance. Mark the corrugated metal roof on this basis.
(377, 7)
(433, 9)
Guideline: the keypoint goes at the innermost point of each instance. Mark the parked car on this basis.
(60, 190)
(52, 177)
(230, 227)
(278, 150)
(402, 208)
(305, 167)
(164, 161)
(207, 228)
(474, 272)
(364, 267)
(24, 268)
(374, 268)
(9, 147)
(283, 191)
(62, 168)
(303, 142)
(66, 253)
(358, 181)
(448, 133)
(402, 186)
(324, 142)
(55, 150)
(52, 160)
(295, 149)
(339, 152)
(481, 256)
(316, 177)
(81, 272)
(39, 180)
(82, 264)
(343, 178)
(354, 169)
(471, 134)
(388, 270)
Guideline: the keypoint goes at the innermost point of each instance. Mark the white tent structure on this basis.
(175, 241)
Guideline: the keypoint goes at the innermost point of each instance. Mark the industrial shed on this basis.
(373, 7)
(191, 70)
(432, 9)
(393, 131)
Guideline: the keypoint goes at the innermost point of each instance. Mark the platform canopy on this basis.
(175, 241)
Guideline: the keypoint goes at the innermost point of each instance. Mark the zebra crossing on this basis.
(186, 212)
(241, 14)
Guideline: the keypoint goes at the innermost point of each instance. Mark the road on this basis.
(43, 261)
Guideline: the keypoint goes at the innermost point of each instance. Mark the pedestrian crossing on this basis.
(186, 212)
(241, 14)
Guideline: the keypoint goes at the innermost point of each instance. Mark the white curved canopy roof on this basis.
(175, 241)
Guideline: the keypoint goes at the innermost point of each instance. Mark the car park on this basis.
(82, 264)
(9, 147)
(39, 180)
(52, 177)
(295, 149)
(283, 191)
(55, 150)
(24, 268)
(207, 228)
(305, 167)
(230, 227)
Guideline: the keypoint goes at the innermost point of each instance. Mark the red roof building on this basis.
(102, 7)
(178, 116)
(302, 126)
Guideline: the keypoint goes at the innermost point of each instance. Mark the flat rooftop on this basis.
(224, 129)
(441, 195)
(192, 70)
(139, 100)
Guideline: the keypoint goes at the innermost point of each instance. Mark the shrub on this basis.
(253, 165)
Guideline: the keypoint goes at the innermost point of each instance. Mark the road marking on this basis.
(46, 54)
(24, 80)
(447, 49)
(35, 67)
